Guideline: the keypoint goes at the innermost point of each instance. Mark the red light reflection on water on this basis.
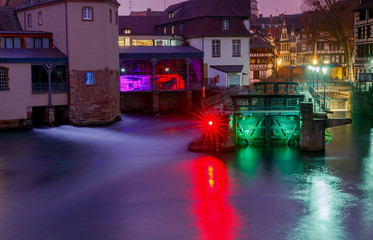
(214, 217)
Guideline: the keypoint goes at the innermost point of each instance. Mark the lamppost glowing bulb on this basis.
(210, 123)
(324, 70)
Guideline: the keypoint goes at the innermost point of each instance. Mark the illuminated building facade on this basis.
(364, 40)
(186, 46)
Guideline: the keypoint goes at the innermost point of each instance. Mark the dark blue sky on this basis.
(266, 7)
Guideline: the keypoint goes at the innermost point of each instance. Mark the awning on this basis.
(228, 68)
(170, 52)
(32, 55)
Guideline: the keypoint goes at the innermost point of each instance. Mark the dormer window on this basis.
(127, 31)
(225, 24)
(87, 14)
(171, 15)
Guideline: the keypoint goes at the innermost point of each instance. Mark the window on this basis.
(171, 15)
(39, 79)
(236, 48)
(36, 42)
(4, 78)
(87, 14)
(29, 20)
(216, 48)
(181, 27)
(164, 30)
(124, 41)
(88, 80)
(127, 31)
(110, 16)
(40, 18)
(173, 29)
(225, 24)
(362, 14)
(10, 42)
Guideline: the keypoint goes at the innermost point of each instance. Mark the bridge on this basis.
(272, 112)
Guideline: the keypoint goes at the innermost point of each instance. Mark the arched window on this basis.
(4, 78)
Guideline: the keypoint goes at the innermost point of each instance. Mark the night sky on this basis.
(266, 7)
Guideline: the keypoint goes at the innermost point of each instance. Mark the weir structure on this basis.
(273, 113)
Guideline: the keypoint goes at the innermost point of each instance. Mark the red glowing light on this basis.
(214, 126)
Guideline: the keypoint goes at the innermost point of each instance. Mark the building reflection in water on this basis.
(367, 187)
(213, 216)
(325, 205)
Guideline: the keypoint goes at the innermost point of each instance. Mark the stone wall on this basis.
(15, 124)
(361, 100)
(162, 101)
(97, 103)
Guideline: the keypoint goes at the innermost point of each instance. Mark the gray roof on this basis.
(32, 55)
(24, 32)
(160, 52)
(260, 43)
(26, 3)
(9, 20)
(228, 68)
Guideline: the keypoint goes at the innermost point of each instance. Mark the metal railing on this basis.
(267, 102)
(43, 87)
(39, 87)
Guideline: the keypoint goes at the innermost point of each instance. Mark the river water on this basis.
(136, 179)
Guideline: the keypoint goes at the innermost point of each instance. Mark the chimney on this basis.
(149, 10)
(270, 19)
(260, 15)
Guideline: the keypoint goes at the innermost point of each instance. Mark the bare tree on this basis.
(336, 18)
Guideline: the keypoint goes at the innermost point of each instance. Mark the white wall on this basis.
(226, 58)
(15, 101)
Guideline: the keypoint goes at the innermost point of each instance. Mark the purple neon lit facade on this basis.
(170, 74)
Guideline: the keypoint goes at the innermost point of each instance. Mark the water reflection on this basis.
(213, 215)
(367, 187)
(281, 159)
(325, 205)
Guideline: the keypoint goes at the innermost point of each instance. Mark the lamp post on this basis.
(324, 70)
(317, 69)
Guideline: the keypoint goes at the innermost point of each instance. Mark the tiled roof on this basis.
(206, 8)
(139, 25)
(364, 6)
(260, 43)
(9, 20)
(30, 54)
(199, 18)
(26, 3)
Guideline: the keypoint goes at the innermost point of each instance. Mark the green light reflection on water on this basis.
(281, 159)
(367, 187)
